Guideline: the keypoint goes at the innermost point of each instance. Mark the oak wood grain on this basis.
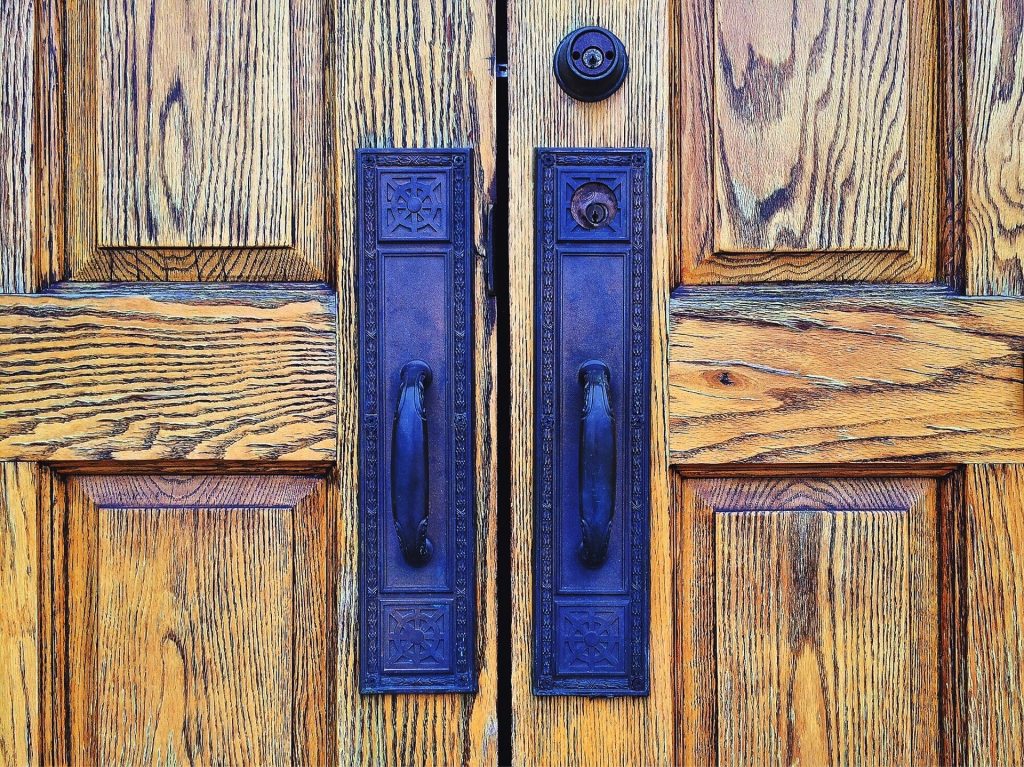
(20, 517)
(416, 74)
(99, 373)
(994, 137)
(562, 730)
(199, 151)
(813, 639)
(17, 149)
(992, 611)
(185, 142)
(194, 627)
(194, 607)
(808, 141)
(836, 374)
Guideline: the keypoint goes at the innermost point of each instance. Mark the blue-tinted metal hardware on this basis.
(417, 582)
(597, 463)
(591, 64)
(592, 432)
(410, 463)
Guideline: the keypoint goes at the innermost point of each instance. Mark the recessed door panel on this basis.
(192, 619)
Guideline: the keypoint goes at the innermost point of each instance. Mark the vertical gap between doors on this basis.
(500, 276)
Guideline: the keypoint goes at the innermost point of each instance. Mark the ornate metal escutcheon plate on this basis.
(416, 473)
(592, 340)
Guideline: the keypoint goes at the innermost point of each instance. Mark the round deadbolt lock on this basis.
(591, 64)
(593, 205)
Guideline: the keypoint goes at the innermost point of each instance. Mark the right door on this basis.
(837, 510)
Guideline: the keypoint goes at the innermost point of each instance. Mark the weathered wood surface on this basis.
(200, 154)
(991, 702)
(17, 156)
(192, 619)
(130, 373)
(807, 624)
(185, 141)
(20, 651)
(578, 731)
(993, 141)
(807, 147)
(416, 74)
(840, 374)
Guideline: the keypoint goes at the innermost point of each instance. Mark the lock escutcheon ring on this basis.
(593, 205)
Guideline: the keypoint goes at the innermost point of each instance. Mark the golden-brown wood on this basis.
(416, 74)
(200, 154)
(576, 731)
(192, 621)
(808, 141)
(992, 611)
(994, 135)
(186, 141)
(17, 154)
(123, 373)
(836, 374)
(20, 517)
(807, 629)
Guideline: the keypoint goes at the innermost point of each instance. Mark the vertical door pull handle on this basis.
(597, 462)
(410, 484)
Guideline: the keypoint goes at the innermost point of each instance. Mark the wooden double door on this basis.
(837, 400)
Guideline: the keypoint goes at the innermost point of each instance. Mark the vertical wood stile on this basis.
(17, 146)
(990, 707)
(982, 690)
(993, 37)
(20, 615)
(414, 74)
(568, 730)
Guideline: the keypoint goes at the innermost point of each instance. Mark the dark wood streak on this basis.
(129, 372)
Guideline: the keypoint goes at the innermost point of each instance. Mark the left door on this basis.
(179, 532)
(168, 425)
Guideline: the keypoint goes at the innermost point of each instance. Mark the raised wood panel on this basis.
(200, 151)
(191, 141)
(17, 204)
(808, 141)
(122, 373)
(992, 613)
(416, 74)
(568, 730)
(192, 621)
(19, 615)
(808, 624)
(837, 374)
(994, 137)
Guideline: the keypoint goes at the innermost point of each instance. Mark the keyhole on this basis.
(593, 58)
(597, 213)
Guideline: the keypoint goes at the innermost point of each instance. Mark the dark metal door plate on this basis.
(416, 474)
(592, 449)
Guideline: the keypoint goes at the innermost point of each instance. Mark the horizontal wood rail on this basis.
(844, 373)
(147, 372)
